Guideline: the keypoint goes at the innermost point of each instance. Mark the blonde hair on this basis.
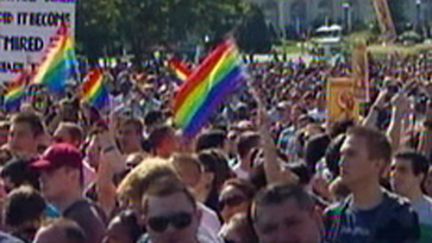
(136, 183)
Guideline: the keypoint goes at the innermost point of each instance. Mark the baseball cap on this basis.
(59, 155)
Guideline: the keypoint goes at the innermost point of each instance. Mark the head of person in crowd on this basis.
(133, 186)
(339, 127)
(239, 229)
(235, 197)
(16, 173)
(130, 135)
(133, 160)
(297, 112)
(409, 171)
(26, 133)
(153, 119)
(213, 139)
(365, 157)
(285, 213)
(315, 150)
(216, 168)
(61, 174)
(24, 212)
(124, 228)
(170, 212)
(60, 230)
(69, 110)
(191, 172)
(245, 147)
(68, 132)
(4, 132)
(164, 141)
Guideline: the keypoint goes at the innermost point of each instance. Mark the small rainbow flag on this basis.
(93, 89)
(59, 63)
(179, 68)
(218, 76)
(16, 93)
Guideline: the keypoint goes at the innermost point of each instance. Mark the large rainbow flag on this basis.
(93, 89)
(218, 76)
(59, 63)
(179, 68)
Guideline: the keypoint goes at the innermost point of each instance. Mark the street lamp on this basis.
(418, 7)
(347, 16)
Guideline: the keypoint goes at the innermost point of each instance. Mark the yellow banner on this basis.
(360, 73)
(341, 103)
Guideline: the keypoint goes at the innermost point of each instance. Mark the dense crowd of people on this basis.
(269, 167)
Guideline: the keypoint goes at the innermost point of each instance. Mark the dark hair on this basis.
(301, 169)
(23, 205)
(152, 118)
(215, 161)
(377, 143)
(315, 149)
(211, 139)
(244, 186)
(332, 154)
(130, 220)
(340, 127)
(166, 186)
(419, 162)
(34, 121)
(246, 142)
(19, 173)
(279, 193)
(72, 231)
(158, 135)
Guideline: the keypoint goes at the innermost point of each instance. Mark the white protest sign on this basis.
(26, 27)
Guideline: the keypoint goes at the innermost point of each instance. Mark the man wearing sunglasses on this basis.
(170, 214)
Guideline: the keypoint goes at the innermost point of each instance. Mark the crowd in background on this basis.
(269, 167)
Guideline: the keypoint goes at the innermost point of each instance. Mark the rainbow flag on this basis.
(93, 89)
(179, 68)
(59, 63)
(218, 76)
(16, 93)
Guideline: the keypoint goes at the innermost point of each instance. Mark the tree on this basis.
(254, 35)
(397, 10)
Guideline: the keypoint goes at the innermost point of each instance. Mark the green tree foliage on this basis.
(106, 25)
(254, 35)
(397, 10)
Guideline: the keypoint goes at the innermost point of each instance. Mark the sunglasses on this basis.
(231, 202)
(179, 221)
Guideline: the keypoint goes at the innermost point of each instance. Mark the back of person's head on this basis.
(214, 139)
(301, 169)
(419, 163)
(239, 229)
(247, 188)
(32, 119)
(61, 230)
(74, 130)
(18, 172)
(246, 142)
(340, 127)
(333, 155)
(315, 149)
(159, 134)
(280, 193)
(153, 118)
(133, 186)
(24, 206)
(377, 143)
(216, 162)
(135, 122)
(188, 167)
(129, 220)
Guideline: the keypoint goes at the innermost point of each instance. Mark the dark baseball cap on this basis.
(59, 155)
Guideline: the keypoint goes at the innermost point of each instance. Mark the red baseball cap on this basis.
(59, 155)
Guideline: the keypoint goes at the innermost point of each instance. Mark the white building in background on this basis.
(299, 16)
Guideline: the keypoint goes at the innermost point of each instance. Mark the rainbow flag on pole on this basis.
(217, 77)
(93, 89)
(179, 68)
(59, 64)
